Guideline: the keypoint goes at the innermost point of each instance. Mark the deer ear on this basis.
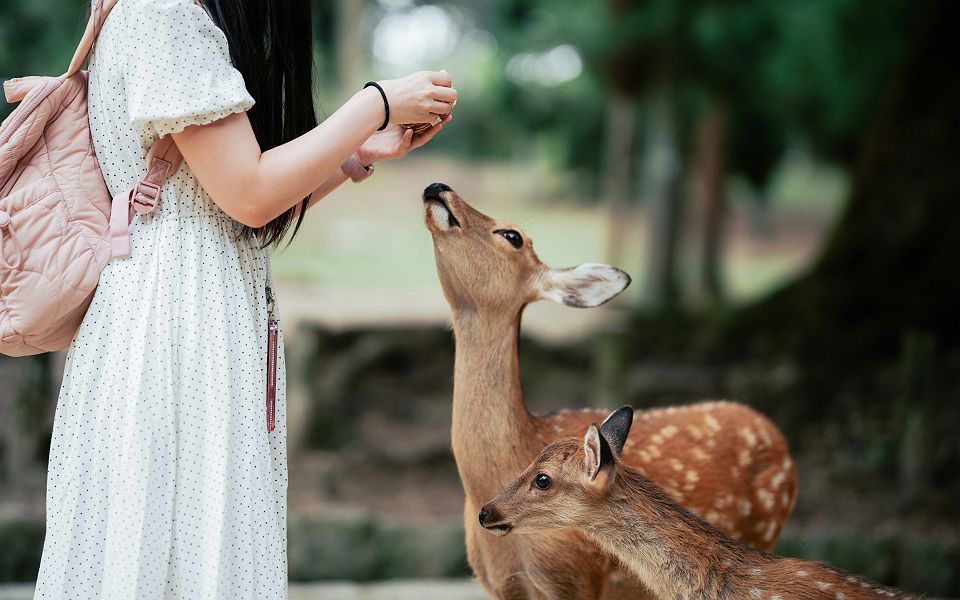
(616, 428)
(599, 457)
(585, 286)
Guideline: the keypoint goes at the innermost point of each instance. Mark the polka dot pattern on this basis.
(163, 481)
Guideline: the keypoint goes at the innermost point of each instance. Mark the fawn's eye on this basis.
(542, 481)
(515, 239)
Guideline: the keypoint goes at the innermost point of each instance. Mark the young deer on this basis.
(672, 551)
(722, 460)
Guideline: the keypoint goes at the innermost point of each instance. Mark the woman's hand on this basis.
(396, 142)
(420, 97)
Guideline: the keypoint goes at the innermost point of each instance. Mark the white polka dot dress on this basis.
(164, 482)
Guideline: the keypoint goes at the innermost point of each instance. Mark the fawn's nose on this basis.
(484, 513)
(433, 191)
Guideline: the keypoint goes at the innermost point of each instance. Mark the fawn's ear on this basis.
(616, 428)
(585, 286)
(599, 463)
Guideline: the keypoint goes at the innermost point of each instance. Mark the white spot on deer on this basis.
(756, 571)
(745, 507)
(695, 431)
(778, 479)
(669, 431)
(711, 422)
(654, 451)
(644, 455)
(839, 596)
(851, 579)
(743, 457)
(711, 443)
(676, 465)
(801, 573)
(785, 499)
(699, 454)
(771, 531)
(754, 592)
(671, 410)
(692, 476)
(776, 597)
(823, 585)
(735, 472)
(724, 502)
(656, 438)
(749, 436)
(764, 434)
(766, 498)
(674, 493)
(712, 517)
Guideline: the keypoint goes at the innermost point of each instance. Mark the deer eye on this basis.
(515, 239)
(542, 481)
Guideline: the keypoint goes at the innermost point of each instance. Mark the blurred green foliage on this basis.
(785, 72)
(38, 37)
(803, 72)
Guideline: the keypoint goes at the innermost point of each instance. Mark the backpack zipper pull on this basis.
(273, 334)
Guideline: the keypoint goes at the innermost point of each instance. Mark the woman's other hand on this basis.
(420, 97)
(396, 142)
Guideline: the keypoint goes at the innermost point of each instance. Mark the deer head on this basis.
(565, 484)
(487, 264)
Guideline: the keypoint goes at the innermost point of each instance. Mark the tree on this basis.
(888, 270)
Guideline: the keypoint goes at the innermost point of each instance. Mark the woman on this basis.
(164, 480)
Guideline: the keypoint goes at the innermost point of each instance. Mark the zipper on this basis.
(273, 334)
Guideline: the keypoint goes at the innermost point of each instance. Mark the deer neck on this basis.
(493, 434)
(671, 550)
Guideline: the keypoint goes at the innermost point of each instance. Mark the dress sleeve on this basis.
(178, 70)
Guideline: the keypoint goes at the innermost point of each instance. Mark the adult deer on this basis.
(672, 551)
(722, 460)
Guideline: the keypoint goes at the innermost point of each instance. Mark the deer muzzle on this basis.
(492, 521)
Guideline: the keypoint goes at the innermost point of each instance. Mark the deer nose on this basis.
(434, 190)
(484, 513)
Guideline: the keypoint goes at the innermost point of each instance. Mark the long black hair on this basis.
(271, 44)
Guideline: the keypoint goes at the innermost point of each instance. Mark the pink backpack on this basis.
(58, 224)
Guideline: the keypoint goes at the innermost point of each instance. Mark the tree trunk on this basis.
(711, 170)
(663, 174)
(889, 269)
(621, 123)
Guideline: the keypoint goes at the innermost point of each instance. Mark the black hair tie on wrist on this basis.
(386, 104)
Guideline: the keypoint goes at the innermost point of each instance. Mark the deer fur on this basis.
(675, 553)
(722, 460)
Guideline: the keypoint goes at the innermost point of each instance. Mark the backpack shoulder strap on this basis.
(163, 158)
(97, 17)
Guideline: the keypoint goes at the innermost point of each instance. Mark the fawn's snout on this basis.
(436, 200)
(491, 520)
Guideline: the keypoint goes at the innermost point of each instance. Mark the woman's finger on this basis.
(441, 78)
(439, 108)
(444, 94)
(407, 141)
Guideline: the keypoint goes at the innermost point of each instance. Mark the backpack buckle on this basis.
(144, 197)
